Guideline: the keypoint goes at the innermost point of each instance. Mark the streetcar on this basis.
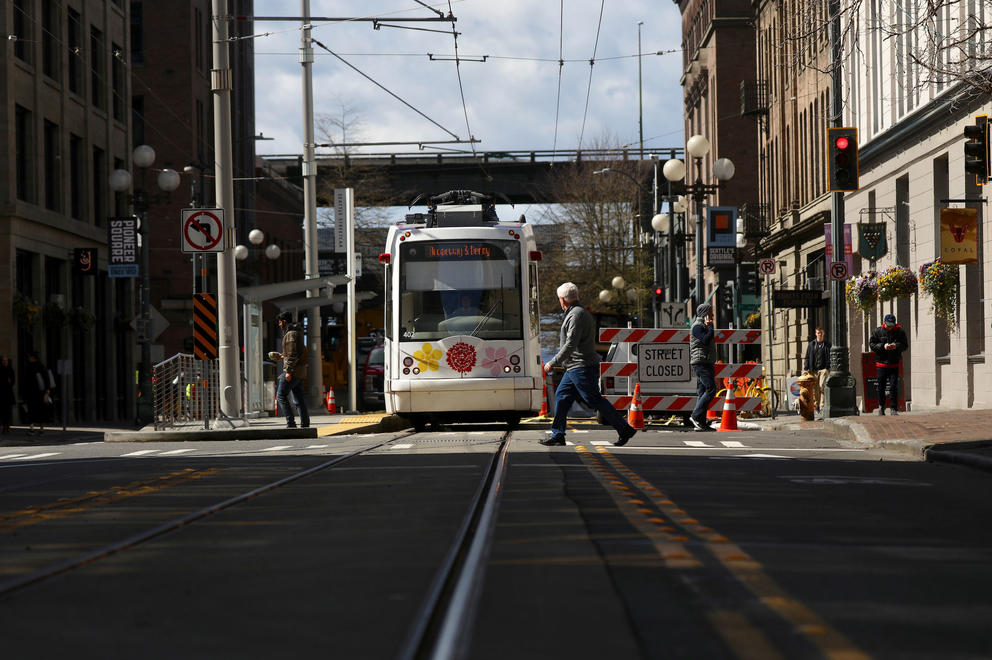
(462, 320)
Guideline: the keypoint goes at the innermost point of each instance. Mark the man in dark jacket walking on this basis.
(577, 356)
(702, 357)
(294, 371)
(888, 341)
(817, 363)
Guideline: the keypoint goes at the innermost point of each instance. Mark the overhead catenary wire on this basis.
(461, 89)
(561, 66)
(384, 88)
(592, 61)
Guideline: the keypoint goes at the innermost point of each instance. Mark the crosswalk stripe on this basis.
(176, 451)
(142, 452)
(695, 443)
(33, 456)
(11, 456)
(731, 443)
(600, 442)
(278, 448)
(401, 446)
(316, 446)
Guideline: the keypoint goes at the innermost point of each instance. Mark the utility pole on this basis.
(227, 284)
(840, 392)
(314, 362)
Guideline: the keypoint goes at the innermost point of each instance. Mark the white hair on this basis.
(569, 292)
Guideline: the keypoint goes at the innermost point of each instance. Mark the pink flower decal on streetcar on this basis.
(496, 360)
(461, 357)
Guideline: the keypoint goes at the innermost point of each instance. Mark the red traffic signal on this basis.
(842, 159)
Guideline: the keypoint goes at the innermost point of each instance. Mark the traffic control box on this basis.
(869, 384)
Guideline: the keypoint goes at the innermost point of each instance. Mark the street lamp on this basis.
(674, 170)
(257, 237)
(120, 181)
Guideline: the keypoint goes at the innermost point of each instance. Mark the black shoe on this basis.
(291, 425)
(304, 426)
(705, 428)
(624, 436)
(552, 441)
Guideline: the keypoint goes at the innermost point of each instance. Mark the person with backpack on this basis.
(294, 364)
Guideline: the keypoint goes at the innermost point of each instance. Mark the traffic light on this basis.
(749, 285)
(842, 150)
(976, 150)
(659, 293)
(728, 294)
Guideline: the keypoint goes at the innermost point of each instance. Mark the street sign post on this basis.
(202, 230)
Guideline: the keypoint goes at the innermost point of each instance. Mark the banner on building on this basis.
(959, 236)
(871, 240)
(721, 223)
(122, 241)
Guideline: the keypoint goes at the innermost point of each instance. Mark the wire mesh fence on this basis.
(186, 391)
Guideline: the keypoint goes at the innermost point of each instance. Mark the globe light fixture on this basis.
(723, 169)
(273, 251)
(256, 236)
(168, 179)
(660, 222)
(240, 252)
(618, 282)
(605, 295)
(674, 170)
(697, 146)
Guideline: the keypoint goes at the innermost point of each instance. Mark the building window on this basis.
(53, 167)
(23, 155)
(118, 81)
(51, 40)
(23, 21)
(138, 120)
(137, 33)
(77, 169)
(198, 34)
(74, 44)
(99, 186)
(98, 68)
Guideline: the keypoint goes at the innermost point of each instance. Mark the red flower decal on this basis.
(461, 357)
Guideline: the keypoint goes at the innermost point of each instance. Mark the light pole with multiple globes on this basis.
(120, 181)
(606, 296)
(674, 170)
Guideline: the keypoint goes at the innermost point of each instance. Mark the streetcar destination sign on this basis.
(661, 363)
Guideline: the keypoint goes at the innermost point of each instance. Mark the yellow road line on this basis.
(747, 570)
(69, 506)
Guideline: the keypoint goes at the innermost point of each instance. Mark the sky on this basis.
(510, 100)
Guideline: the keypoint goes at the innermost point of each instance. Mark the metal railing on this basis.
(186, 391)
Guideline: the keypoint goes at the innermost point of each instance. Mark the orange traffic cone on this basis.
(635, 416)
(332, 406)
(544, 401)
(729, 420)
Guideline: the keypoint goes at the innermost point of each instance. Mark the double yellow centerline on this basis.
(680, 539)
(69, 506)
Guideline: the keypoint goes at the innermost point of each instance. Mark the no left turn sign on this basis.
(202, 230)
(767, 266)
(838, 270)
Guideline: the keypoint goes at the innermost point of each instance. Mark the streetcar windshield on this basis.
(463, 287)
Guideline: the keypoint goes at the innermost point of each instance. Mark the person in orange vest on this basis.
(888, 342)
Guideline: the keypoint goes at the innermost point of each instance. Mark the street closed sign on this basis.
(663, 363)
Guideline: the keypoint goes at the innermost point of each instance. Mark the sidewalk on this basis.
(952, 436)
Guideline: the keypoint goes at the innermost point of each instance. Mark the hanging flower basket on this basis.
(26, 311)
(896, 281)
(940, 281)
(54, 315)
(80, 319)
(862, 291)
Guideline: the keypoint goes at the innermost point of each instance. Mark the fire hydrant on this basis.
(807, 402)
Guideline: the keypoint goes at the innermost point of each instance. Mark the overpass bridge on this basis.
(526, 177)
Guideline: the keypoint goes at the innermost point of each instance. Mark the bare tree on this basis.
(937, 43)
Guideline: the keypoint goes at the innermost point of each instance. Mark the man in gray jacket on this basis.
(577, 356)
(702, 357)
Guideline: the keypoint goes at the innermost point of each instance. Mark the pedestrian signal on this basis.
(728, 295)
(842, 150)
(976, 150)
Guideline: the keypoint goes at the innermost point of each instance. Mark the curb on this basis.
(206, 434)
(957, 454)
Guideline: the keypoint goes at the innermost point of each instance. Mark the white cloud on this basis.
(511, 103)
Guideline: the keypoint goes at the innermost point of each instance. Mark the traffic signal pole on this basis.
(840, 393)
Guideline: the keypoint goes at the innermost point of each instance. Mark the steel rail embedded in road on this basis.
(440, 630)
(16, 584)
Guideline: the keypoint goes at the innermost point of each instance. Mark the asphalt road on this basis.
(686, 545)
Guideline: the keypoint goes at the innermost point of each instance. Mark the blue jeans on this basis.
(583, 383)
(283, 388)
(705, 390)
(888, 383)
